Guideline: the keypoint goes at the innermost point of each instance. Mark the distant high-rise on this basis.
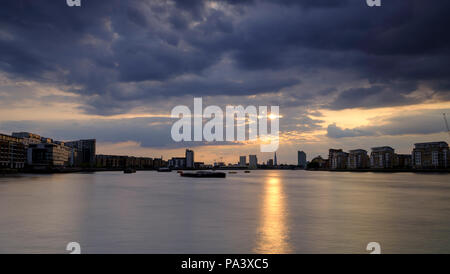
(49, 154)
(339, 160)
(275, 163)
(12, 152)
(243, 161)
(189, 158)
(431, 155)
(85, 151)
(253, 161)
(28, 138)
(358, 158)
(382, 157)
(301, 159)
(177, 162)
(331, 155)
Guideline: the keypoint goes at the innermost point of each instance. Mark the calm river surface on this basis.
(261, 212)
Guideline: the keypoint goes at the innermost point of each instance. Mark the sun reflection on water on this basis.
(273, 233)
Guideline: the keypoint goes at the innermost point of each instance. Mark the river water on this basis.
(269, 211)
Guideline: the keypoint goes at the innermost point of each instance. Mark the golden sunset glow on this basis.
(351, 118)
(274, 116)
(273, 233)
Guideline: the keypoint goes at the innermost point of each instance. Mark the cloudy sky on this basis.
(344, 75)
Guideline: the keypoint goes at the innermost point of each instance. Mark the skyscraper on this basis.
(242, 161)
(275, 163)
(85, 151)
(253, 161)
(12, 152)
(431, 155)
(189, 158)
(382, 157)
(339, 160)
(358, 158)
(301, 159)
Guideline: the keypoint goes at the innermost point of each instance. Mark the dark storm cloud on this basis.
(122, 54)
(334, 131)
(302, 124)
(376, 96)
(148, 132)
(119, 130)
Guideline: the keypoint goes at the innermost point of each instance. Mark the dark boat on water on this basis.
(204, 174)
(164, 169)
(129, 170)
(247, 171)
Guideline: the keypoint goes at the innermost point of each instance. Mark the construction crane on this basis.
(446, 123)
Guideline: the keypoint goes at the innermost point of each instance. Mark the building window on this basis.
(418, 158)
(435, 158)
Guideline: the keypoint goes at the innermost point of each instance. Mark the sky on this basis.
(344, 75)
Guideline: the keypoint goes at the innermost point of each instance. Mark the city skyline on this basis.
(115, 74)
(222, 133)
(83, 153)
